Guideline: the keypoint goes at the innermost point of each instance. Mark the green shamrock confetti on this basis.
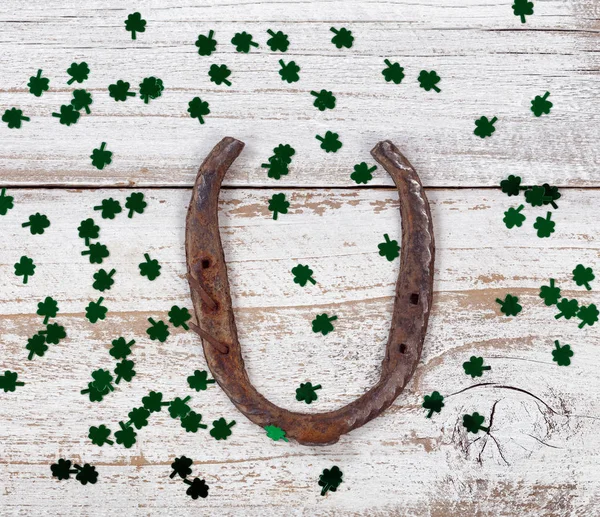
(278, 205)
(583, 276)
(278, 163)
(330, 143)
(433, 403)
(307, 392)
(544, 227)
(62, 469)
(151, 88)
(135, 203)
(37, 224)
(25, 268)
(181, 467)
(199, 381)
(221, 429)
(153, 402)
(206, 44)
(429, 80)
(540, 105)
(14, 117)
(88, 229)
(567, 308)
(178, 408)
(53, 333)
(588, 315)
(86, 474)
(150, 268)
(389, 249)
(134, 24)
(219, 73)
(303, 274)
(522, 8)
(95, 311)
(393, 73)
(275, 433)
(78, 71)
(323, 100)
(97, 252)
(120, 348)
(513, 217)
(192, 422)
(138, 417)
(159, 330)
(284, 153)
(101, 157)
(278, 41)
(100, 435)
(94, 394)
(473, 423)
(551, 194)
(36, 345)
(322, 324)
(561, 355)
(48, 309)
(289, 72)
(330, 479)
(343, 37)
(512, 185)
(124, 370)
(485, 127)
(550, 293)
(102, 380)
(198, 109)
(536, 196)
(68, 115)
(509, 306)
(362, 173)
(243, 41)
(6, 202)
(474, 366)
(120, 91)
(8, 381)
(103, 280)
(197, 488)
(178, 316)
(126, 436)
(38, 84)
(109, 208)
(82, 99)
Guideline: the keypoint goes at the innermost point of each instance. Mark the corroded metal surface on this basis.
(207, 274)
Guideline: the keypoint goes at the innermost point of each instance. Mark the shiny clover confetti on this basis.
(198, 109)
(100, 435)
(86, 474)
(6, 202)
(178, 408)
(199, 381)
(544, 226)
(101, 157)
(120, 91)
(181, 467)
(512, 185)
(93, 393)
(37, 224)
(79, 72)
(126, 435)
(513, 217)
(88, 229)
(588, 315)
(302, 275)
(38, 84)
(135, 203)
(393, 73)
(103, 280)
(550, 293)
(429, 80)
(278, 41)
(95, 311)
(583, 276)
(102, 380)
(138, 417)
(343, 37)
(48, 309)
(389, 249)
(485, 127)
(221, 429)
(218, 74)
(25, 268)
(307, 392)
(14, 117)
(124, 371)
(536, 196)
(509, 306)
(275, 433)
(561, 355)
(178, 316)
(567, 308)
(121, 348)
(151, 88)
(8, 381)
(97, 253)
(243, 41)
(82, 100)
(330, 143)
(153, 402)
(68, 115)
(53, 333)
(541, 105)
(433, 403)
(150, 268)
(289, 71)
(330, 479)
(473, 423)
(109, 208)
(134, 24)
(206, 44)
(362, 173)
(323, 100)
(192, 422)
(474, 366)
(278, 205)
(322, 324)
(36, 346)
(522, 8)
(159, 330)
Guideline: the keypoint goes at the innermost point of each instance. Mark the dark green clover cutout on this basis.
(567, 308)
(138, 417)
(150, 268)
(550, 293)
(109, 208)
(343, 37)
(103, 280)
(198, 109)
(100, 435)
(393, 73)
(389, 249)
(120, 348)
(221, 429)
(289, 71)
(178, 408)
(330, 143)
(48, 308)
(485, 127)
(206, 44)
(474, 366)
(544, 226)
(88, 229)
(583, 276)
(522, 8)
(25, 268)
(151, 88)
(6, 202)
(181, 467)
(36, 345)
(512, 185)
(197, 488)
(153, 402)
(551, 194)
(513, 217)
(86, 474)
(8, 381)
(219, 73)
(38, 84)
(323, 100)
(362, 173)
(433, 403)
(102, 380)
(101, 157)
(588, 315)
(278, 41)
(14, 117)
(82, 99)
(561, 355)
(37, 223)
(278, 205)
(536, 196)
(68, 115)
(126, 436)
(473, 423)
(330, 479)
(302, 275)
(243, 41)
(53, 333)
(178, 316)
(93, 393)
(307, 392)
(199, 381)
(120, 91)
(62, 469)
(97, 252)
(284, 152)
(134, 24)
(276, 168)
(429, 80)
(78, 71)
(322, 324)
(275, 433)
(135, 203)
(540, 105)
(95, 311)
(509, 305)
(124, 370)
(192, 422)
(159, 330)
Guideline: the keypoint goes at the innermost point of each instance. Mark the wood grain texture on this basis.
(545, 464)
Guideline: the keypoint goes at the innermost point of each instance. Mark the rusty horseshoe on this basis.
(207, 276)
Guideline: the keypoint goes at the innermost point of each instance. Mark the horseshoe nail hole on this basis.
(205, 263)
(414, 298)
(402, 348)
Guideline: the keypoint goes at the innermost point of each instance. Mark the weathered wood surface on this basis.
(399, 464)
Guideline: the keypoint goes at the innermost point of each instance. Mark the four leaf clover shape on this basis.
(101, 157)
(473, 423)
(330, 143)
(14, 117)
(550, 293)
(97, 253)
(362, 173)
(199, 381)
(37, 223)
(82, 99)
(323, 100)
(68, 115)
(198, 109)
(206, 44)
(243, 41)
(433, 403)
(485, 127)
(583, 276)
(95, 311)
(522, 8)
(78, 71)
(330, 479)
(6, 202)
(151, 88)
(134, 24)
(393, 73)
(120, 91)
(389, 249)
(109, 208)
(278, 205)
(38, 84)
(278, 41)
(135, 203)
(159, 330)
(103, 280)
(429, 80)
(25, 268)
(343, 37)
(219, 73)
(513, 217)
(307, 392)
(48, 308)
(221, 429)
(541, 105)
(561, 355)
(544, 226)
(150, 268)
(509, 306)
(474, 366)
(289, 71)
(322, 324)
(302, 275)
